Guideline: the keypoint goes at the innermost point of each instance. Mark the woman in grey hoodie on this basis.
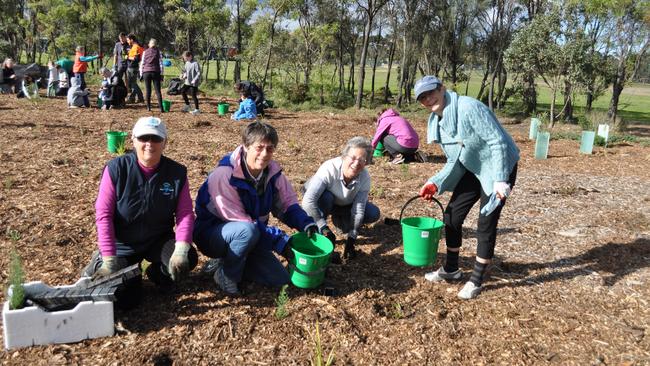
(77, 97)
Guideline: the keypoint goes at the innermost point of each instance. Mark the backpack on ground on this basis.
(175, 86)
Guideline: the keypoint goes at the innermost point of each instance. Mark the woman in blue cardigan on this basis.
(481, 165)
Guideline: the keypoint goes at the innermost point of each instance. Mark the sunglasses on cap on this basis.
(152, 138)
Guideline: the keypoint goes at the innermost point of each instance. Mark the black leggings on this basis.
(467, 192)
(191, 89)
(393, 147)
(148, 78)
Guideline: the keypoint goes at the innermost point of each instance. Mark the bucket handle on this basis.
(413, 199)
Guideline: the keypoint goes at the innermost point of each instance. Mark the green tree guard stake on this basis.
(534, 128)
(541, 145)
(587, 142)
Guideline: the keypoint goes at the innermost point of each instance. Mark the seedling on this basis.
(120, 149)
(13, 235)
(8, 182)
(280, 303)
(398, 312)
(405, 171)
(16, 280)
(317, 360)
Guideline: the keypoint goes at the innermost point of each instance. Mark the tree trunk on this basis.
(617, 88)
(364, 55)
(268, 57)
(237, 70)
(568, 104)
(529, 94)
(391, 55)
(101, 41)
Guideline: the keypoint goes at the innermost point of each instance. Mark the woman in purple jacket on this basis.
(151, 71)
(398, 137)
(233, 207)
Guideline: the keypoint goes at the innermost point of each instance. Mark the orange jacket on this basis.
(79, 66)
(135, 55)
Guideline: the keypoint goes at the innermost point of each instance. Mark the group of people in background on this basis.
(119, 86)
(145, 189)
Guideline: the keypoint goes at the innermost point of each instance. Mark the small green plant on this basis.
(377, 192)
(317, 360)
(120, 149)
(281, 303)
(404, 168)
(8, 182)
(13, 235)
(16, 280)
(398, 312)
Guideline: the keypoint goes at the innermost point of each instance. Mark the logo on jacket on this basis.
(167, 189)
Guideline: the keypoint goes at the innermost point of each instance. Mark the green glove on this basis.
(179, 262)
(109, 265)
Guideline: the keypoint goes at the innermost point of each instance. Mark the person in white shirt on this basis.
(340, 187)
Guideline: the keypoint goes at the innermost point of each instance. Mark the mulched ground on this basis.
(569, 285)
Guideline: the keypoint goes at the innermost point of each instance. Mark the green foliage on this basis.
(317, 359)
(16, 275)
(13, 235)
(397, 311)
(281, 304)
(120, 149)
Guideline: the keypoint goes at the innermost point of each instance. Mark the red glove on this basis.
(428, 191)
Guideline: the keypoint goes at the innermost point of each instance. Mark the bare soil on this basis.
(570, 283)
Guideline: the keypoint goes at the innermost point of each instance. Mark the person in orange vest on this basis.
(81, 64)
(134, 58)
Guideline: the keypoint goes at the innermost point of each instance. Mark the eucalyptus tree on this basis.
(12, 34)
(277, 9)
(496, 25)
(242, 12)
(193, 20)
(370, 9)
(630, 43)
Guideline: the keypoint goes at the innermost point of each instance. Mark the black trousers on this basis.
(465, 195)
(192, 90)
(393, 147)
(150, 77)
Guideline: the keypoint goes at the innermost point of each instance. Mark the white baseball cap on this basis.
(149, 126)
(427, 83)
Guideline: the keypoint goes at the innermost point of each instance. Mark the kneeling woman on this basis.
(233, 207)
(142, 197)
(340, 187)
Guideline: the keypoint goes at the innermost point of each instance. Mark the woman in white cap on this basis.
(481, 165)
(142, 196)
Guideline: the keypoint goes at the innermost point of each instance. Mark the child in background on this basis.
(9, 76)
(106, 89)
(29, 88)
(77, 97)
(192, 76)
(64, 85)
(247, 109)
(52, 79)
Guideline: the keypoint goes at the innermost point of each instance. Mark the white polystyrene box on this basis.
(31, 325)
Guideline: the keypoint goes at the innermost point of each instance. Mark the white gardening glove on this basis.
(501, 189)
(179, 262)
(109, 266)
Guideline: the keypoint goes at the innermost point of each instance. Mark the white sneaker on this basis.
(469, 291)
(195, 112)
(441, 275)
(186, 108)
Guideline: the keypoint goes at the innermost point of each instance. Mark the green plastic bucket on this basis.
(167, 105)
(100, 103)
(311, 257)
(222, 108)
(115, 139)
(379, 150)
(420, 236)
